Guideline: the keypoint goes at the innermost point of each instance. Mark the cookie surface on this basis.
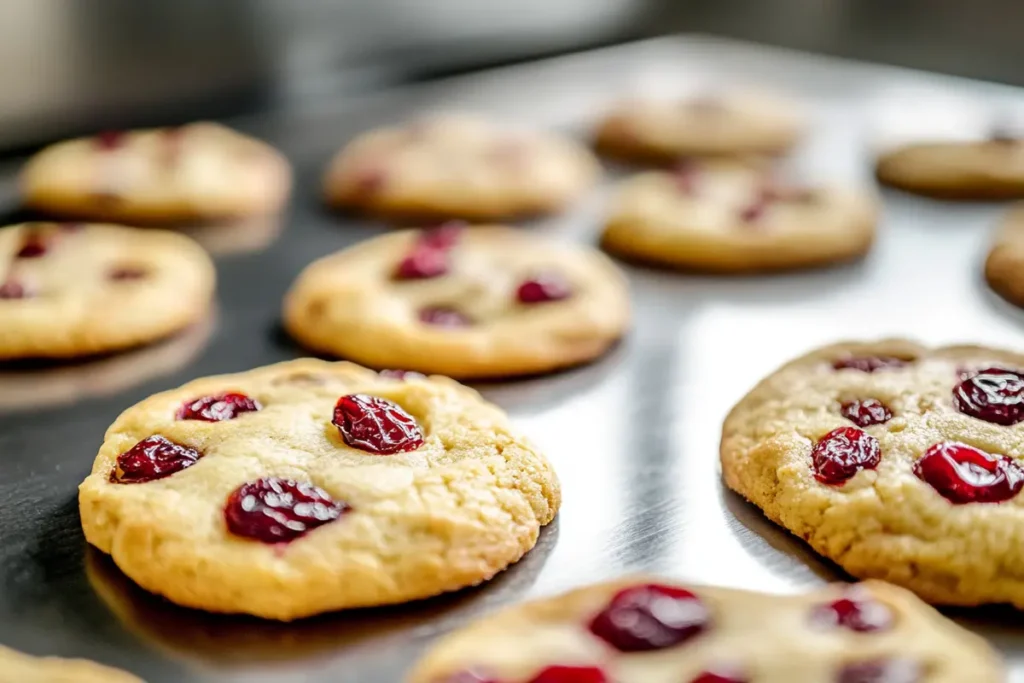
(726, 124)
(201, 171)
(652, 630)
(479, 302)
(81, 289)
(895, 461)
(16, 667)
(984, 169)
(458, 167)
(733, 217)
(1004, 265)
(309, 486)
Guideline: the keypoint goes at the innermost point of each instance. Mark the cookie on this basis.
(735, 217)
(1004, 266)
(458, 167)
(16, 667)
(307, 486)
(71, 289)
(483, 302)
(980, 169)
(202, 171)
(723, 124)
(895, 461)
(647, 629)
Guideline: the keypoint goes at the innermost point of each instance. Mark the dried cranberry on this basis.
(865, 413)
(376, 425)
(33, 246)
(276, 510)
(868, 363)
(12, 289)
(842, 453)
(226, 406)
(994, 395)
(442, 316)
(401, 374)
(685, 176)
(542, 288)
(964, 474)
(119, 273)
(110, 139)
(444, 236)
(154, 457)
(721, 675)
(371, 180)
(650, 617)
(422, 263)
(570, 674)
(880, 671)
(861, 616)
(755, 210)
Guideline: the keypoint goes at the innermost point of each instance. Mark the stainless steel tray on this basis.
(634, 437)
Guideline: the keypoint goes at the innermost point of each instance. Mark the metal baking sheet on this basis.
(634, 437)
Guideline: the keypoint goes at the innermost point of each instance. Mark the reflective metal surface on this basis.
(634, 436)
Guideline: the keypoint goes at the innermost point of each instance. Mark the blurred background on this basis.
(74, 66)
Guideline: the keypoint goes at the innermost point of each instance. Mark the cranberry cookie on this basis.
(16, 667)
(77, 290)
(653, 630)
(895, 461)
(309, 486)
(202, 171)
(981, 169)
(727, 124)
(458, 166)
(735, 217)
(482, 302)
(1004, 267)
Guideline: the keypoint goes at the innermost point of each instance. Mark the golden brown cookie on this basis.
(458, 167)
(202, 171)
(81, 289)
(983, 169)
(480, 302)
(729, 216)
(307, 486)
(16, 667)
(1004, 266)
(895, 461)
(646, 629)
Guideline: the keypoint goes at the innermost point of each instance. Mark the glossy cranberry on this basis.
(866, 412)
(119, 273)
(963, 474)
(444, 236)
(422, 263)
(994, 395)
(868, 363)
(276, 510)
(442, 316)
(12, 289)
(859, 615)
(842, 453)
(542, 288)
(650, 617)
(110, 139)
(721, 675)
(154, 457)
(880, 671)
(376, 425)
(685, 176)
(571, 674)
(401, 374)
(226, 406)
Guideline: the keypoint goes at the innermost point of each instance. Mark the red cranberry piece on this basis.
(754, 211)
(12, 289)
(276, 510)
(994, 395)
(422, 263)
(865, 413)
(721, 675)
(376, 425)
(685, 176)
(650, 617)
(842, 453)
(442, 316)
(542, 288)
(226, 406)
(964, 474)
(154, 457)
(880, 671)
(401, 374)
(33, 247)
(444, 236)
(110, 139)
(570, 674)
(861, 616)
(119, 273)
(868, 363)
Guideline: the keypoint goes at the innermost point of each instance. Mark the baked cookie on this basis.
(735, 217)
(309, 486)
(77, 290)
(483, 302)
(458, 167)
(895, 461)
(202, 171)
(980, 169)
(16, 667)
(724, 124)
(652, 630)
(1004, 266)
